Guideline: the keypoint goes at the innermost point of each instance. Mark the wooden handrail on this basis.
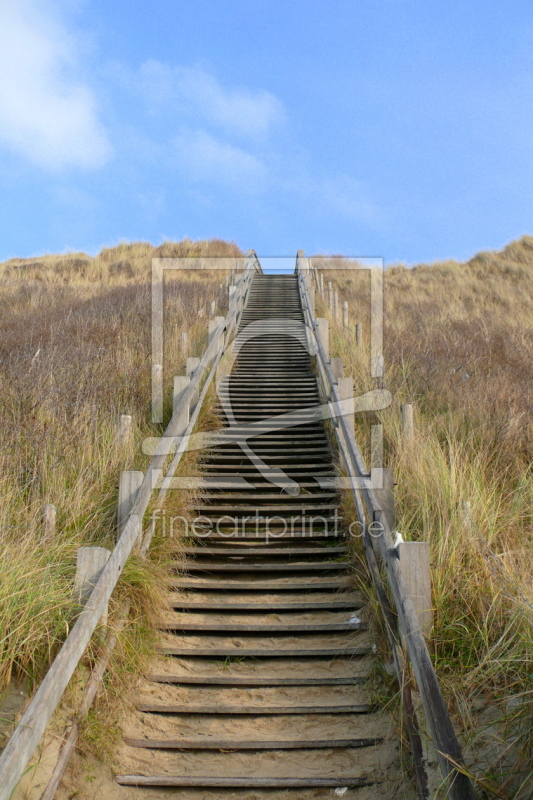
(439, 724)
(32, 725)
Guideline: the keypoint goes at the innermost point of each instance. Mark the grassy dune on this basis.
(459, 346)
(74, 355)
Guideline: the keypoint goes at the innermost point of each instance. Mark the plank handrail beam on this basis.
(459, 786)
(17, 753)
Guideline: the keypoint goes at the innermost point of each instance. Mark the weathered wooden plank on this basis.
(239, 586)
(334, 605)
(259, 652)
(246, 744)
(204, 626)
(311, 566)
(190, 708)
(246, 783)
(239, 680)
(414, 564)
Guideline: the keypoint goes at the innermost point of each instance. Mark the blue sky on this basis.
(394, 128)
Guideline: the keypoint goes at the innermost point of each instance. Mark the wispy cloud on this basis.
(202, 157)
(194, 92)
(46, 114)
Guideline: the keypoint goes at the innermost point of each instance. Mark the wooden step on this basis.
(258, 652)
(241, 783)
(238, 680)
(204, 627)
(334, 605)
(246, 744)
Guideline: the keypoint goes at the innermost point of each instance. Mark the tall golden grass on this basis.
(74, 356)
(459, 346)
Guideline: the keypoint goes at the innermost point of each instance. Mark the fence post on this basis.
(344, 313)
(384, 492)
(466, 513)
(49, 520)
(336, 306)
(408, 428)
(337, 368)
(212, 308)
(125, 430)
(180, 386)
(358, 334)
(330, 296)
(184, 342)
(415, 566)
(346, 393)
(190, 366)
(312, 300)
(212, 326)
(323, 335)
(128, 487)
(90, 562)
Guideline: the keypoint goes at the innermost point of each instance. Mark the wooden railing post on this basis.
(415, 566)
(337, 368)
(190, 367)
(90, 562)
(184, 346)
(312, 300)
(358, 334)
(125, 430)
(212, 308)
(382, 479)
(330, 295)
(323, 335)
(181, 383)
(336, 306)
(212, 326)
(128, 487)
(408, 428)
(346, 393)
(344, 313)
(49, 520)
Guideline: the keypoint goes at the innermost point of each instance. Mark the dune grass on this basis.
(459, 347)
(74, 356)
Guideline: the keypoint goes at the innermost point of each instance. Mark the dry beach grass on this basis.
(459, 346)
(74, 356)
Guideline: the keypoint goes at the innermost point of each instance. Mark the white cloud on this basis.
(193, 91)
(47, 115)
(204, 158)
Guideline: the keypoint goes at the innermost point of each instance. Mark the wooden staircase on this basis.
(262, 679)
